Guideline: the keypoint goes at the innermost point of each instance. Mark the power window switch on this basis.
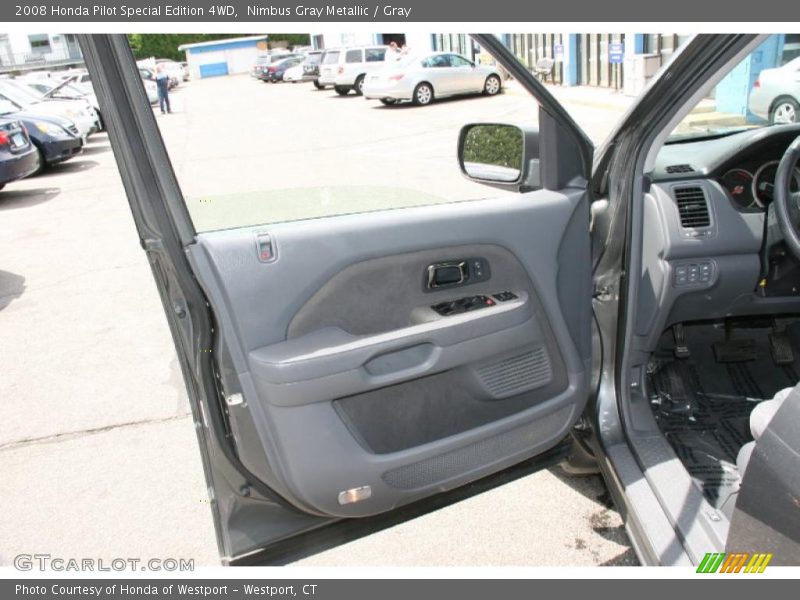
(505, 296)
(681, 275)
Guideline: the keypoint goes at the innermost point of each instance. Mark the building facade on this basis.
(627, 61)
(20, 51)
(223, 57)
(414, 42)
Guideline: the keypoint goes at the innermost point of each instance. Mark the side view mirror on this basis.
(499, 155)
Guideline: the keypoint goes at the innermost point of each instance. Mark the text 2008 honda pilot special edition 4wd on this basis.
(632, 307)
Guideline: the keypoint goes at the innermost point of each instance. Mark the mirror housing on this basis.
(500, 155)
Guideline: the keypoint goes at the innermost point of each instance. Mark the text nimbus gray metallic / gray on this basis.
(328, 10)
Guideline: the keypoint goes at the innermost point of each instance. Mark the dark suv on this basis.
(311, 67)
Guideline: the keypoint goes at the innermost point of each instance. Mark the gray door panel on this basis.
(350, 379)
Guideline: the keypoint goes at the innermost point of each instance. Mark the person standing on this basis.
(162, 82)
(393, 53)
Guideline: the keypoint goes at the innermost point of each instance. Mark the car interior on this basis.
(716, 341)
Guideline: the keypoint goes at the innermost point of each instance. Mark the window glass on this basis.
(293, 155)
(16, 95)
(761, 91)
(459, 61)
(375, 54)
(353, 56)
(40, 42)
(331, 57)
(436, 61)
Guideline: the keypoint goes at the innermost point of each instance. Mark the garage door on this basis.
(214, 69)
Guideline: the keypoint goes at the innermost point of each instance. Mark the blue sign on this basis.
(616, 53)
(558, 52)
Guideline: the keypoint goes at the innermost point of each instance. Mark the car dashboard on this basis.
(704, 224)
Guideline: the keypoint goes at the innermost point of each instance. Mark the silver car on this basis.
(422, 79)
(776, 94)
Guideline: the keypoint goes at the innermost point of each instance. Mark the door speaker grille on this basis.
(518, 374)
(468, 460)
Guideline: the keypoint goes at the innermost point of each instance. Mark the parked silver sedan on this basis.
(421, 79)
(775, 97)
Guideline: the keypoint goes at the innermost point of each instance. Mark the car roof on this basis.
(362, 46)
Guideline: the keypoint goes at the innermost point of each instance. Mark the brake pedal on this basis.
(732, 351)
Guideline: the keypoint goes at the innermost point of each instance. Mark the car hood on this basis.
(30, 116)
(62, 108)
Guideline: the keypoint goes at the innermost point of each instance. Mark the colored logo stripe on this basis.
(758, 563)
(734, 562)
(711, 562)
(714, 562)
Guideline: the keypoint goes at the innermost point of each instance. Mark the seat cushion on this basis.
(764, 411)
(745, 452)
(759, 420)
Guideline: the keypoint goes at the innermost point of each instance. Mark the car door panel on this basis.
(319, 370)
(463, 75)
(353, 381)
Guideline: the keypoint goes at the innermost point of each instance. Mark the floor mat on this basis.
(703, 407)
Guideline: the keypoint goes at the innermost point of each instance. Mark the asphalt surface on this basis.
(97, 447)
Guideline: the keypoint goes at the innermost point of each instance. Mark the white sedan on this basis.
(775, 96)
(294, 74)
(421, 79)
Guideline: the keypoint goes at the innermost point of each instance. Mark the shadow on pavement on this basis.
(593, 487)
(462, 98)
(11, 287)
(71, 166)
(95, 149)
(626, 559)
(11, 199)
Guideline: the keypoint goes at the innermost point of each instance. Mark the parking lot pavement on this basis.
(97, 448)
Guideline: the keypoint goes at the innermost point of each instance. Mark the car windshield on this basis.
(17, 94)
(330, 58)
(762, 90)
(24, 88)
(313, 59)
(65, 89)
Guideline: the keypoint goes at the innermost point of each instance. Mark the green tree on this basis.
(499, 145)
(165, 45)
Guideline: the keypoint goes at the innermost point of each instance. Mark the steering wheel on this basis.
(787, 203)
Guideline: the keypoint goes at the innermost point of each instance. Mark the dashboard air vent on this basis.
(680, 169)
(692, 206)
